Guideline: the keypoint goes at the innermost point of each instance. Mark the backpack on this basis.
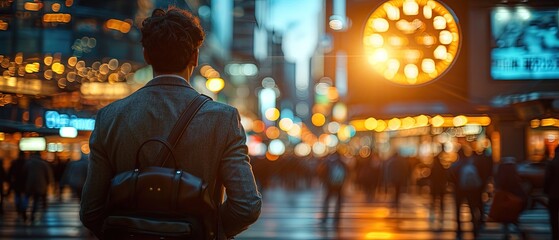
(336, 174)
(469, 176)
(158, 202)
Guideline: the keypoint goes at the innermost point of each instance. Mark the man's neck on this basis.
(179, 75)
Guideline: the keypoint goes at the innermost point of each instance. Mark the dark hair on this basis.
(170, 38)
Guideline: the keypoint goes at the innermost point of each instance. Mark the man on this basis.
(333, 173)
(16, 178)
(213, 147)
(39, 176)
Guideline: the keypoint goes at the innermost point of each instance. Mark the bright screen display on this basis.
(525, 43)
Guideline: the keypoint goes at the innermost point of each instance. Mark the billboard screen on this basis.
(525, 43)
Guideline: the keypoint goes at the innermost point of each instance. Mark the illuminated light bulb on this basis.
(57, 68)
(437, 121)
(380, 25)
(421, 120)
(393, 64)
(380, 55)
(72, 61)
(302, 150)
(48, 60)
(439, 23)
(381, 126)
(336, 24)
(445, 37)
(394, 124)
(376, 40)
(318, 119)
(455, 36)
(412, 55)
(459, 121)
(215, 84)
(285, 124)
(431, 4)
(535, 123)
(410, 7)
(428, 40)
(428, 65)
(485, 121)
(408, 122)
(272, 132)
(440, 52)
(393, 13)
(272, 114)
(411, 71)
(427, 12)
(371, 123)
(333, 127)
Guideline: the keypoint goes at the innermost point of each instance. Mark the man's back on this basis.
(213, 139)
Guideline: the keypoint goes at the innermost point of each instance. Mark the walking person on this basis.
(438, 183)
(551, 188)
(467, 184)
(333, 172)
(213, 147)
(39, 176)
(398, 170)
(509, 195)
(16, 179)
(75, 174)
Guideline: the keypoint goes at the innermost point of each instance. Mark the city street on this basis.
(296, 215)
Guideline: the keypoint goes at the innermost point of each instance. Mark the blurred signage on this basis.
(526, 43)
(54, 119)
(32, 144)
(68, 132)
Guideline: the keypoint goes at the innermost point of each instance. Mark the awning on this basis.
(9, 126)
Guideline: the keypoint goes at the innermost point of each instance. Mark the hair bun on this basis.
(158, 12)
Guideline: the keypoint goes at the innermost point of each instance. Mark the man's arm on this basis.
(97, 183)
(243, 203)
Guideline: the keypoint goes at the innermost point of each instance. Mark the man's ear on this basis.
(194, 58)
(146, 58)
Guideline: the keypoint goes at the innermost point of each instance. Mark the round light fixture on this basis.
(411, 42)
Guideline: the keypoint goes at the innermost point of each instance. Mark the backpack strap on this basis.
(180, 127)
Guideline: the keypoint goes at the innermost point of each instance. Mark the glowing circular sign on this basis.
(411, 42)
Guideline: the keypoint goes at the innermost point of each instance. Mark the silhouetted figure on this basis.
(484, 163)
(467, 184)
(75, 175)
(372, 176)
(16, 178)
(508, 181)
(39, 176)
(58, 167)
(333, 172)
(438, 181)
(551, 188)
(398, 169)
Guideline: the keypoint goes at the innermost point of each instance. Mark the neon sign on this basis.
(54, 119)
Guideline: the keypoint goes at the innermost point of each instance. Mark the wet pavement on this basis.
(296, 215)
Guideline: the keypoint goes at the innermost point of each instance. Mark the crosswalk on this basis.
(296, 215)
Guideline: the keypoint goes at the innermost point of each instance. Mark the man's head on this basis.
(171, 40)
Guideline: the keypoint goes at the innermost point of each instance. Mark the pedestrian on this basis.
(398, 173)
(438, 183)
(39, 176)
(467, 184)
(16, 179)
(212, 148)
(509, 194)
(333, 172)
(484, 162)
(551, 189)
(58, 167)
(75, 174)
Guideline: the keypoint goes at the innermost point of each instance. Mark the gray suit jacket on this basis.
(213, 146)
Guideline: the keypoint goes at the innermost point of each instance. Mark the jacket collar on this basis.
(168, 80)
